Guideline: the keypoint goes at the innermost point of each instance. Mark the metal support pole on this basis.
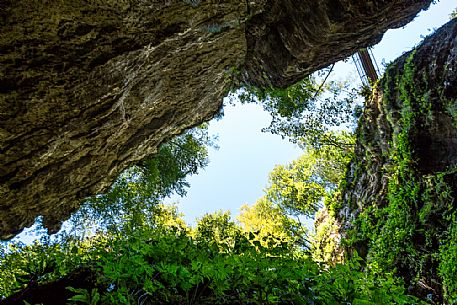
(368, 66)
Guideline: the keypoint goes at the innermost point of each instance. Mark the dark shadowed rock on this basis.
(88, 87)
(406, 159)
(433, 138)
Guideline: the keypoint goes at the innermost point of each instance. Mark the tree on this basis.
(268, 225)
(300, 187)
(219, 229)
(307, 111)
(156, 265)
(132, 198)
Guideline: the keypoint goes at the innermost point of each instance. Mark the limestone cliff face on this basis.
(88, 87)
(403, 181)
(433, 138)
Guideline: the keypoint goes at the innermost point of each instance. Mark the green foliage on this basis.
(451, 109)
(454, 14)
(306, 112)
(218, 229)
(132, 198)
(348, 284)
(300, 187)
(42, 261)
(266, 224)
(156, 265)
(448, 266)
(84, 296)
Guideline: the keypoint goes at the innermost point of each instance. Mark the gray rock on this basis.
(88, 87)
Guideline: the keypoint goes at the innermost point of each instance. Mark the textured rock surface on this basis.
(433, 140)
(430, 92)
(89, 86)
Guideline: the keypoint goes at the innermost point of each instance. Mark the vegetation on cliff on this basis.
(89, 87)
(383, 199)
(400, 190)
(265, 258)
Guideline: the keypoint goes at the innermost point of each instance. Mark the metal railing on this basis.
(366, 65)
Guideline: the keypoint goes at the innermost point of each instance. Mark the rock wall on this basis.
(400, 191)
(88, 87)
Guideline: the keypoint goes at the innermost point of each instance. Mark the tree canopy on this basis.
(141, 251)
(308, 111)
(132, 198)
(158, 264)
(149, 255)
(300, 187)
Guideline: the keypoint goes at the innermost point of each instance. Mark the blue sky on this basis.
(238, 171)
